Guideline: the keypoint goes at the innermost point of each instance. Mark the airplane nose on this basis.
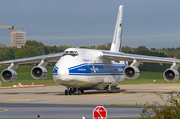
(63, 73)
(60, 73)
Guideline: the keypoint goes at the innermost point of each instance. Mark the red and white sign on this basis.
(99, 113)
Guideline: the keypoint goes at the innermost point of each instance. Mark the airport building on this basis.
(18, 38)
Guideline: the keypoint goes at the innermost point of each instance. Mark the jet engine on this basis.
(171, 75)
(131, 72)
(39, 72)
(8, 75)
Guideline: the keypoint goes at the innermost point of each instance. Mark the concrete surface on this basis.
(130, 94)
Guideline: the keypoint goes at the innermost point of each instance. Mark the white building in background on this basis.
(19, 38)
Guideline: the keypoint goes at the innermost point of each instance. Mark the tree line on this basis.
(35, 48)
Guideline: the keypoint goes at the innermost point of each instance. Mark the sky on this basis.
(150, 23)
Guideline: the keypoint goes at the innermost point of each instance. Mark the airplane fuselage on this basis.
(82, 68)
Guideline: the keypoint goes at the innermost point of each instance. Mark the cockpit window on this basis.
(72, 53)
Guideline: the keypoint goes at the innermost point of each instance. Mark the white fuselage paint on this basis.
(86, 71)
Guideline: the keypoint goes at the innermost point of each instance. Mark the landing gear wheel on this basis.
(107, 90)
(112, 90)
(79, 92)
(66, 92)
(70, 92)
(82, 91)
(119, 90)
(73, 90)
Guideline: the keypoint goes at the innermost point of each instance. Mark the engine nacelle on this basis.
(131, 72)
(39, 72)
(8, 75)
(171, 75)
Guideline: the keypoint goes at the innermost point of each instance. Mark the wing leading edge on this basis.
(117, 56)
(50, 58)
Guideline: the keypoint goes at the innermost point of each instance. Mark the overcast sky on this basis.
(150, 23)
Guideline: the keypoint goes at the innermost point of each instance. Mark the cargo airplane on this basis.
(82, 69)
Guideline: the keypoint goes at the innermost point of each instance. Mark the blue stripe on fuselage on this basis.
(55, 70)
(89, 69)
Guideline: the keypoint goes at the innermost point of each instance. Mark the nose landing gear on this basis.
(75, 91)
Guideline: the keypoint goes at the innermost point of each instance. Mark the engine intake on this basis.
(8, 75)
(131, 72)
(171, 75)
(39, 72)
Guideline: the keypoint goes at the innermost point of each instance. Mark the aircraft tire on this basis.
(82, 91)
(66, 92)
(107, 90)
(70, 92)
(79, 92)
(111, 90)
(73, 90)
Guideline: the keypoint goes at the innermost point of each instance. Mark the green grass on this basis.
(131, 105)
(24, 76)
(127, 105)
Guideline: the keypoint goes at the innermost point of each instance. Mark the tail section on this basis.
(117, 38)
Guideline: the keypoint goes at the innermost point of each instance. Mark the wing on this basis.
(132, 72)
(49, 58)
(117, 56)
(38, 72)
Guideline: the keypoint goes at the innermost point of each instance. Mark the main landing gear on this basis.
(112, 89)
(75, 91)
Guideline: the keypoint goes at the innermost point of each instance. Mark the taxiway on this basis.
(50, 101)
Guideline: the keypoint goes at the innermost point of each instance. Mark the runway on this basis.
(50, 101)
(62, 111)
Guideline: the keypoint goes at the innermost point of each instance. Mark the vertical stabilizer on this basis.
(117, 38)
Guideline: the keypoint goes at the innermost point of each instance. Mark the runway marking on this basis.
(100, 95)
(169, 87)
(3, 110)
(103, 94)
(19, 99)
(24, 100)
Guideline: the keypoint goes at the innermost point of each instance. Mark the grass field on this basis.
(24, 76)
